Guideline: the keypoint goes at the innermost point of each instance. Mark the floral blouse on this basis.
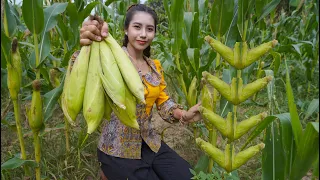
(122, 141)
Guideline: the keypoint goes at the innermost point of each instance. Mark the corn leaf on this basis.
(307, 151)
(273, 159)
(87, 10)
(243, 6)
(296, 124)
(268, 9)
(313, 107)
(11, 21)
(74, 22)
(176, 11)
(16, 162)
(5, 50)
(276, 61)
(221, 16)
(33, 15)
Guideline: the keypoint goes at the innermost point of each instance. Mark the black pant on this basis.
(164, 165)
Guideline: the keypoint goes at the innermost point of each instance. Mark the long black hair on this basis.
(130, 12)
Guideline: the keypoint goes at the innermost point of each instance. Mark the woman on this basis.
(126, 153)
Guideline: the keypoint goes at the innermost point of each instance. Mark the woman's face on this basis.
(141, 31)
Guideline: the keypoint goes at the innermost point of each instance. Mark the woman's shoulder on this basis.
(157, 63)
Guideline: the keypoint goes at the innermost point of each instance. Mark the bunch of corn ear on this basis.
(240, 57)
(102, 79)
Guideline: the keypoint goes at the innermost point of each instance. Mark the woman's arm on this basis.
(192, 115)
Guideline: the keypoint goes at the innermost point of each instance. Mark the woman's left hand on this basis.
(192, 115)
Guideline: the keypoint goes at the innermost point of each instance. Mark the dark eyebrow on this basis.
(141, 24)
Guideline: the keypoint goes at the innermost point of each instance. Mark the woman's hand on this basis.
(192, 115)
(91, 31)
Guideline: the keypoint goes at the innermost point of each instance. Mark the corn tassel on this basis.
(192, 93)
(128, 71)
(245, 125)
(111, 77)
(257, 52)
(216, 154)
(94, 98)
(74, 85)
(223, 50)
(35, 116)
(243, 156)
(127, 116)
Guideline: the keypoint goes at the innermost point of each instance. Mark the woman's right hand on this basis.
(90, 32)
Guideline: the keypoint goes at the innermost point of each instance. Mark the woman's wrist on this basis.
(178, 113)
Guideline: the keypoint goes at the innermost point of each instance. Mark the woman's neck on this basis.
(136, 55)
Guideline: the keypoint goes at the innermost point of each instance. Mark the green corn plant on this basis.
(239, 58)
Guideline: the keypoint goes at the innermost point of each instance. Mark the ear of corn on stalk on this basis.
(14, 71)
(243, 156)
(74, 85)
(192, 93)
(218, 84)
(257, 52)
(216, 154)
(223, 50)
(245, 125)
(251, 88)
(126, 116)
(35, 117)
(215, 119)
(94, 98)
(128, 71)
(111, 77)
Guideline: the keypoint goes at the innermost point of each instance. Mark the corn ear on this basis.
(14, 71)
(214, 119)
(35, 116)
(94, 98)
(255, 53)
(75, 84)
(252, 88)
(192, 93)
(243, 156)
(229, 157)
(107, 110)
(111, 77)
(216, 154)
(206, 96)
(240, 55)
(54, 80)
(128, 71)
(245, 125)
(218, 84)
(223, 50)
(126, 116)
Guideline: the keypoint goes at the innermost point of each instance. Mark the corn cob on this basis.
(220, 85)
(206, 96)
(192, 93)
(107, 110)
(14, 71)
(243, 156)
(127, 116)
(111, 77)
(74, 85)
(94, 98)
(223, 50)
(128, 71)
(35, 117)
(216, 154)
(245, 125)
(257, 52)
(251, 88)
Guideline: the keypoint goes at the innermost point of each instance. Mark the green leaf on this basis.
(221, 16)
(33, 16)
(243, 6)
(51, 13)
(50, 100)
(193, 56)
(108, 2)
(176, 11)
(44, 48)
(16, 162)
(202, 164)
(11, 21)
(307, 151)
(261, 126)
(5, 50)
(193, 37)
(188, 19)
(74, 22)
(313, 107)
(87, 10)
(273, 157)
(268, 9)
(63, 28)
(296, 124)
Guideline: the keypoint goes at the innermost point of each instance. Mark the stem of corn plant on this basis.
(37, 148)
(66, 123)
(35, 38)
(16, 107)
